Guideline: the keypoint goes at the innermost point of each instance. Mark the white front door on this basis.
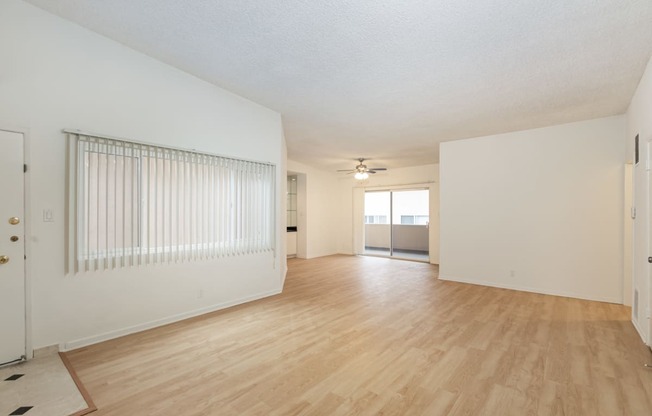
(12, 248)
(646, 299)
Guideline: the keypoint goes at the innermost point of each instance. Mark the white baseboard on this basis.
(533, 290)
(323, 254)
(640, 333)
(84, 342)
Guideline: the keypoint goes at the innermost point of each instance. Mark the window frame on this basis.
(249, 183)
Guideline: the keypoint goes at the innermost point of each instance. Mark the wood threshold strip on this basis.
(82, 390)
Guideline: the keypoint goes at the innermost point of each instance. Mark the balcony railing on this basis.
(407, 239)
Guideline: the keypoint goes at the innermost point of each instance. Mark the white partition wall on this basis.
(538, 210)
(316, 210)
(639, 123)
(57, 75)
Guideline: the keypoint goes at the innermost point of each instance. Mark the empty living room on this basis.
(325, 208)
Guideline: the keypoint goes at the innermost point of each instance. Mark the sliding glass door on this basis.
(396, 224)
(377, 226)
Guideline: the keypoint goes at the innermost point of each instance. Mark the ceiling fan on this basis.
(361, 170)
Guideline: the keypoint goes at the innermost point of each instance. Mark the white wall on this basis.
(317, 207)
(639, 121)
(538, 210)
(628, 233)
(56, 75)
(291, 244)
(351, 213)
(283, 207)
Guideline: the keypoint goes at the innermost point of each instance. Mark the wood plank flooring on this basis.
(371, 336)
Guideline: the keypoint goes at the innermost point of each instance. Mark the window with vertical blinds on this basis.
(134, 204)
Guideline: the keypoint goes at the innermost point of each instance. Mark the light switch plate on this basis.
(48, 215)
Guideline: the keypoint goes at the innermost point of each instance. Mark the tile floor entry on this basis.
(40, 387)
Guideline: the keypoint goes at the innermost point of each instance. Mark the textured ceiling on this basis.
(389, 80)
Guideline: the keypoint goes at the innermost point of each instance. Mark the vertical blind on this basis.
(135, 204)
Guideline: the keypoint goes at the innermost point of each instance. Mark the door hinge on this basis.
(24, 168)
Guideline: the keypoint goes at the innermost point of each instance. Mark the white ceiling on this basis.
(391, 79)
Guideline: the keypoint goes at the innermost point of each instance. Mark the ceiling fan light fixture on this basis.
(361, 171)
(361, 175)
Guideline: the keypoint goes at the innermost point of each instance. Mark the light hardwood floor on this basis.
(370, 336)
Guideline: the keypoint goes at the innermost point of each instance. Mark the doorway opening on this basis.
(396, 224)
(296, 235)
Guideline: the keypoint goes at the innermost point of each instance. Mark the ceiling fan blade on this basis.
(361, 168)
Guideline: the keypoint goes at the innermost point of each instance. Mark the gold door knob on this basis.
(14, 238)
(14, 220)
(4, 259)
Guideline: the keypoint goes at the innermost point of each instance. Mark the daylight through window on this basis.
(137, 204)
